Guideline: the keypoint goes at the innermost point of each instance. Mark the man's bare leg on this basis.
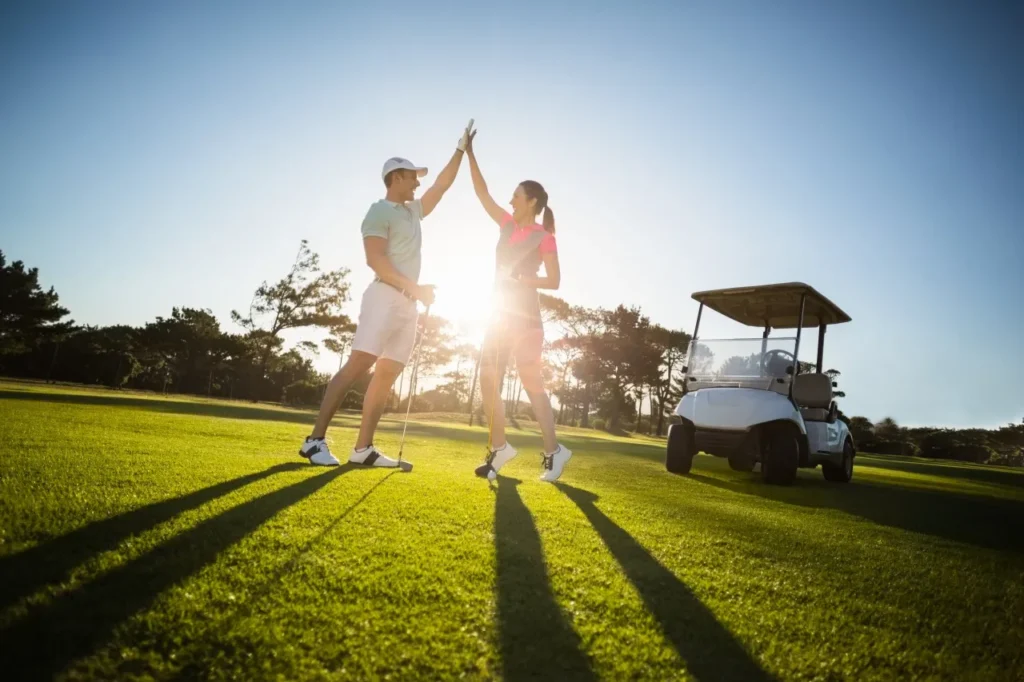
(358, 364)
(376, 397)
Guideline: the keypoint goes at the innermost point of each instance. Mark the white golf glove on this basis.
(464, 142)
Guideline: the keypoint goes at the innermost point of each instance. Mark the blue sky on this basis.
(174, 154)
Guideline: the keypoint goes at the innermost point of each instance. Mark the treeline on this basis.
(1004, 446)
(186, 352)
(611, 369)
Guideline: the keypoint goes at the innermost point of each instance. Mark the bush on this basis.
(301, 394)
(597, 423)
(965, 446)
(890, 447)
(1008, 458)
(978, 454)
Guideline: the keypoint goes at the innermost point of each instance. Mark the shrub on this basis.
(889, 447)
(301, 393)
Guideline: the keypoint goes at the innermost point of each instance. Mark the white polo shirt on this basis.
(400, 225)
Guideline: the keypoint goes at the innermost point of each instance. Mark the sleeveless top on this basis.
(519, 254)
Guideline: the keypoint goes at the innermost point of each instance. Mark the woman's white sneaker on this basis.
(317, 452)
(554, 463)
(495, 460)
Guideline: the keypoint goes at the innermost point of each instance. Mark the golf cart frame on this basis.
(763, 410)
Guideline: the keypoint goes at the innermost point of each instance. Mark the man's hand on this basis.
(424, 293)
(467, 137)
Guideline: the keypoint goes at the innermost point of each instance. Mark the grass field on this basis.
(172, 539)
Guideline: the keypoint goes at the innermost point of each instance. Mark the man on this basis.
(386, 333)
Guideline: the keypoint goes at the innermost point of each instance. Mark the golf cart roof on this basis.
(775, 305)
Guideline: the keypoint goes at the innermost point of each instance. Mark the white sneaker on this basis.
(372, 457)
(317, 452)
(495, 460)
(554, 463)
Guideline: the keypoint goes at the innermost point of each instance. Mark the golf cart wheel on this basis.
(680, 451)
(780, 462)
(842, 473)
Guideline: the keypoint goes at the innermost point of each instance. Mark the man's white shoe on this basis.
(371, 456)
(554, 463)
(317, 452)
(495, 460)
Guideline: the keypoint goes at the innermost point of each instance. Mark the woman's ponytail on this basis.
(549, 220)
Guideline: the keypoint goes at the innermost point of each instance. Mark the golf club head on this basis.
(405, 466)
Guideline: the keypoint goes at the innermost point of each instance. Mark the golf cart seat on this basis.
(813, 393)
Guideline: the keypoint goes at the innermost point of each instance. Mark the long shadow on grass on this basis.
(536, 640)
(979, 521)
(709, 649)
(52, 562)
(945, 468)
(44, 642)
(193, 669)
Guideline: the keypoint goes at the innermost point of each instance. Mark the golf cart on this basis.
(747, 400)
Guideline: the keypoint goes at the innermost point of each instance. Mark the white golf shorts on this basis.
(387, 323)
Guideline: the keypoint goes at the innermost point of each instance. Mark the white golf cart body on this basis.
(739, 394)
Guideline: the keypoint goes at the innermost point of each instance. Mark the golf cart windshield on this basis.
(753, 363)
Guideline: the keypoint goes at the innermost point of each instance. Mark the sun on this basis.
(465, 285)
(467, 309)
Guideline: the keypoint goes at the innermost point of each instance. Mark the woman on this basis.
(516, 327)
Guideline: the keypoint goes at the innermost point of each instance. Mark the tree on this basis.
(28, 315)
(436, 349)
(306, 297)
(834, 375)
(182, 345)
(862, 430)
(554, 311)
(888, 430)
(624, 358)
(340, 339)
(672, 346)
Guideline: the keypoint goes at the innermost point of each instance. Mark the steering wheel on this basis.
(768, 360)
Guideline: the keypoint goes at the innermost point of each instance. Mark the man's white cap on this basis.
(397, 163)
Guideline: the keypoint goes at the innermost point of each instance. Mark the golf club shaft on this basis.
(494, 397)
(412, 381)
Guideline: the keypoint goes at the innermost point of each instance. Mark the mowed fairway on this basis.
(152, 538)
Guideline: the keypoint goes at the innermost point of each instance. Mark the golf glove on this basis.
(464, 142)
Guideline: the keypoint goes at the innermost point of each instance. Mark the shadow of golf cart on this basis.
(746, 400)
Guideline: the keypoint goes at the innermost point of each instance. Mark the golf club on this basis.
(407, 466)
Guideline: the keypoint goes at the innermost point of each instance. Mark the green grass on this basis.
(148, 538)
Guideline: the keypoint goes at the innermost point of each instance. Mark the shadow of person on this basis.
(52, 561)
(710, 651)
(986, 522)
(48, 638)
(536, 640)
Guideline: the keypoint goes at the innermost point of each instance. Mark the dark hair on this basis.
(534, 190)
